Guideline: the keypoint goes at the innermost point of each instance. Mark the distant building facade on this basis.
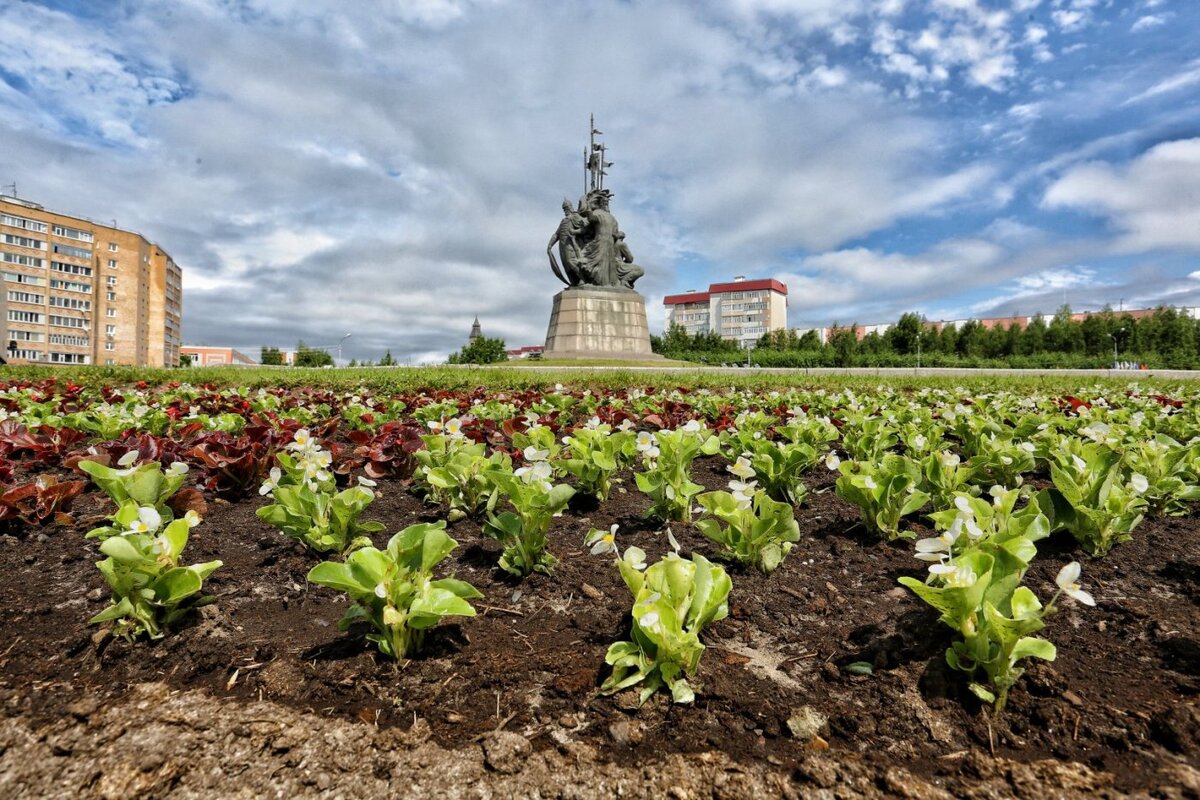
(202, 356)
(79, 292)
(740, 311)
(862, 331)
(527, 351)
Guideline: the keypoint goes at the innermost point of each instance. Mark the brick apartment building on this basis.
(79, 292)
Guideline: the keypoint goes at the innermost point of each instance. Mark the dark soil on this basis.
(1120, 699)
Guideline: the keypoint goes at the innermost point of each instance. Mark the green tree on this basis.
(811, 340)
(271, 356)
(482, 350)
(902, 337)
(308, 357)
(387, 360)
(844, 343)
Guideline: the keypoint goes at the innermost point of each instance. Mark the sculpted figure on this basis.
(570, 250)
(627, 271)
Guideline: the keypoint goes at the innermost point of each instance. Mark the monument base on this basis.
(601, 323)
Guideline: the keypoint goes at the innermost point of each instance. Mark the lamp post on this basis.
(344, 338)
(1113, 336)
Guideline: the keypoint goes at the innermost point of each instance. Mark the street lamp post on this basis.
(344, 338)
(1113, 336)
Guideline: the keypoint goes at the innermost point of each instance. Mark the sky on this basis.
(393, 168)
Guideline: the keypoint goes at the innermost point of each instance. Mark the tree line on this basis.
(1164, 339)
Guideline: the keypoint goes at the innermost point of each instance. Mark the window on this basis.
(110, 296)
(69, 339)
(109, 362)
(21, 222)
(111, 280)
(74, 269)
(24, 336)
(72, 233)
(17, 277)
(28, 355)
(110, 330)
(68, 358)
(73, 252)
(68, 322)
(112, 263)
(64, 321)
(23, 241)
(26, 297)
(112, 247)
(71, 286)
(25, 316)
(71, 302)
(109, 346)
(24, 261)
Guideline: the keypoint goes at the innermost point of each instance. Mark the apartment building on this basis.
(79, 292)
(740, 310)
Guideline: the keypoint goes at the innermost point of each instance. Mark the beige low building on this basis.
(204, 356)
(80, 292)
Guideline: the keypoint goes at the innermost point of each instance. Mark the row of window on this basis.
(74, 252)
(26, 297)
(23, 260)
(70, 339)
(74, 269)
(69, 322)
(69, 302)
(24, 336)
(20, 277)
(72, 233)
(22, 241)
(21, 222)
(71, 286)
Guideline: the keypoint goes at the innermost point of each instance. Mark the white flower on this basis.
(435, 425)
(693, 426)
(177, 468)
(1139, 483)
(649, 620)
(937, 548)
(592, 423)
(963, 504)
(367, 482)
(302, 439)
(607, 543)
(531, 453)
(148, 521)
(743, 493)
(1067, 583)
(1028, 447)
(453, 428)
(381, 590)
(1080, 464)
(537, 471)
(645, 440)
(832, 462)
(869, 482)
(919, 442)
(956, 576)
(128, 458)
(191, 518)
(673, 542)
(272, 481)
(626, 425)
(741, 468)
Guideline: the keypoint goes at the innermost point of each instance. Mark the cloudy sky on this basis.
(391, 168)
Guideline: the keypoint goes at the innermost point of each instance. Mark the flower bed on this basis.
(824, 669)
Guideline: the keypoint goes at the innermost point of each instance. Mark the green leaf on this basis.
(121, 549)
(175, 585)
(337, 576)
(1033, 647)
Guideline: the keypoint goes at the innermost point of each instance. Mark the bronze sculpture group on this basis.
(590, 243)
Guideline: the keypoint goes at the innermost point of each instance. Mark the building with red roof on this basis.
(740, 310)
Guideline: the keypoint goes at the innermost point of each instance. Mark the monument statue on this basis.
(599, 315)
(590, 243)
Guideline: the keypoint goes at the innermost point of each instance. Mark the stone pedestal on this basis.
(599, 322)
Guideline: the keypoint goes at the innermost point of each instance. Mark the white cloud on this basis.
(1187, 77)
(1147, 22)
(1152, 202)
